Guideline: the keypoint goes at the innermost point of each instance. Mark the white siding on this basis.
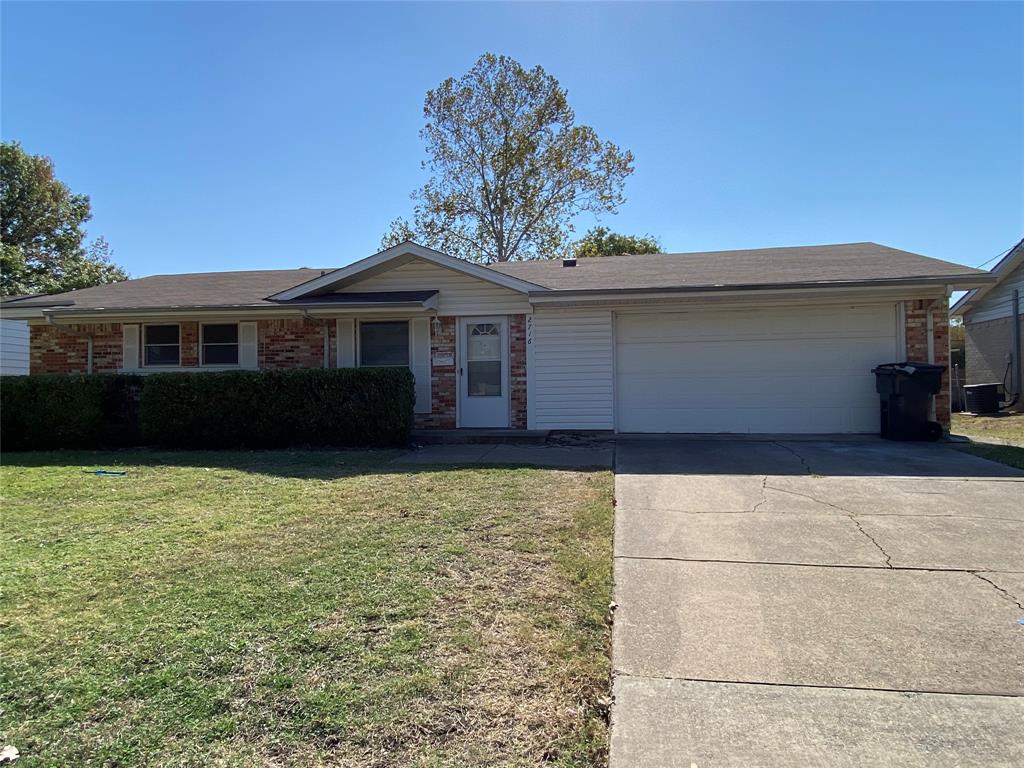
(572, 377)
(999, 301)
(459, 294)
(13, 347)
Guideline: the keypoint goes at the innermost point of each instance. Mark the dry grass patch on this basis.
(322, 608)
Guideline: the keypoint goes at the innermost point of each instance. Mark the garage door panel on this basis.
(787, 370)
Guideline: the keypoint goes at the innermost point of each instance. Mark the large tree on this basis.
(601, 241)
(509, 166)
(42, 242)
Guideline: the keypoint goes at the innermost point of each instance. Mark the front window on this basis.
(162, 345)
(220, 344)
(384, 344)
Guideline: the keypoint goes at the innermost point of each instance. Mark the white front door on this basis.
(483, 372)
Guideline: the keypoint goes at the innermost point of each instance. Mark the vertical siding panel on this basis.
(572, 369)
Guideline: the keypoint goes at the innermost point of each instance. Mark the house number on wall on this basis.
(529, 329)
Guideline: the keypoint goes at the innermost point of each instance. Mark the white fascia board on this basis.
(803, 295)
(406, 249)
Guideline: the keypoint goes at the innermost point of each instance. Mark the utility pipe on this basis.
(327, 335)
(75, 332)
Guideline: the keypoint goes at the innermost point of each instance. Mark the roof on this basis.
(197, 289)
(1003, 268)
(803, 265)
(809, 266)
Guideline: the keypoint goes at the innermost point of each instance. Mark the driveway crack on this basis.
(886, 555)
(764, 495)
(848, 513)
(999, 589)
(802, 460)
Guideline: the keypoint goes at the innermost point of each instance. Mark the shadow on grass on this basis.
(315, 464)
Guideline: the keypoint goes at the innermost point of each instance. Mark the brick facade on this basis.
(987, 345)
(57, 350)
(295, 343)
(916, 324)
(443, 391)
(517, 369)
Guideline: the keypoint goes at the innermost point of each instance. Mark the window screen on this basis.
(384, 343)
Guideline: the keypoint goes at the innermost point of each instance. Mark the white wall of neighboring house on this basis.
(13, 347)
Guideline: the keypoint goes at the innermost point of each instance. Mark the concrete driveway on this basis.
(813, 603)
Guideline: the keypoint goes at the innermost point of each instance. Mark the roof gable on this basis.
(1006, 267)
(394, 257)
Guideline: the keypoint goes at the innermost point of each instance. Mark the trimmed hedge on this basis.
(275, 409)
(68, 411)
(365, 407)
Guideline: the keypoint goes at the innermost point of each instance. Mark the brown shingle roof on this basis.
(199, 289)
(814, 264)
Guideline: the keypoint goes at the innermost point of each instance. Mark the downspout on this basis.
(325, 324)
(81, 334)
(1016, 350)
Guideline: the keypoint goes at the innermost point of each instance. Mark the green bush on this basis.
(273, 409)
(68, 411)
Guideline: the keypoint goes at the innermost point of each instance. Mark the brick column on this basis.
(443, 392)
(917, 344)
(517, 369)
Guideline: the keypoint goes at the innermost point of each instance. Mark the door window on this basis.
(483, 360)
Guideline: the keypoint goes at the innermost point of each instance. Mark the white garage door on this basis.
(776, 370)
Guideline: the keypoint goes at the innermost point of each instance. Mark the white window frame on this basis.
(202, 346)
(144, 344)
(359, 341)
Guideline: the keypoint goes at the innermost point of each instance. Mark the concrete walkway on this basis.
(816, 604)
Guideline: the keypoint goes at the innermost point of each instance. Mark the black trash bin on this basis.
(905, 391)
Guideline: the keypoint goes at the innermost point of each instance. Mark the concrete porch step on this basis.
(465, 436)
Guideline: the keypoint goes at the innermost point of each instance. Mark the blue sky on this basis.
(237, 135)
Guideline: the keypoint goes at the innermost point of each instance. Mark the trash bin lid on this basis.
(907, 367)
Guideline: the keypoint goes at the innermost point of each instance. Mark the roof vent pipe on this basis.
(569, 262)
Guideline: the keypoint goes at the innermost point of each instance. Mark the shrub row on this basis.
(232, 409)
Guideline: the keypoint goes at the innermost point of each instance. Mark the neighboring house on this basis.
(992, 343)
(13, 348)
(764, 341)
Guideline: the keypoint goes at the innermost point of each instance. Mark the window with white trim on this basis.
(384, 343)
(219, 344)
(162, 345)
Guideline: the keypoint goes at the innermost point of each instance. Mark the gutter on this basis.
(81, 334)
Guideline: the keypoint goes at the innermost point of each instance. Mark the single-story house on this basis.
(775, 340)
(993, 317)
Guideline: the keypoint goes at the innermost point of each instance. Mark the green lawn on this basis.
(302, 609)
(1005, 426)
(981, 430)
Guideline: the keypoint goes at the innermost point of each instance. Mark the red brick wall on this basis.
(54, 350)
(443, 391)
(517, 369)
(916, 318)
(294, 343)
(189, 344)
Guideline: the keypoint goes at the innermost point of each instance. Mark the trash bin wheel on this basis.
(933, 431)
